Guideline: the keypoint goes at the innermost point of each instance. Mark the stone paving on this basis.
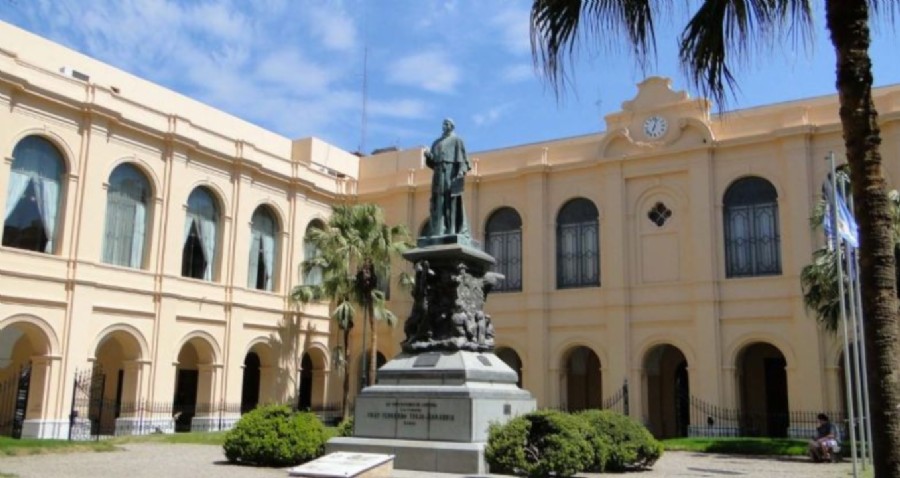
(177, 461)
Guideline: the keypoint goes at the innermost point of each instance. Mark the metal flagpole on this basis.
(857, 293)
(858, 383)
(857, 345)
(865, 412)
(848, 379)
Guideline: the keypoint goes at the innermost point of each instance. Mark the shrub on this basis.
(275, 436)
(345, 428)
(630, 444)
(540, 444)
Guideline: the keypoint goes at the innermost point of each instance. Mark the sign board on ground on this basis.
(345, 465)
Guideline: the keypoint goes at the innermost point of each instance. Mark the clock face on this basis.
(655, 127)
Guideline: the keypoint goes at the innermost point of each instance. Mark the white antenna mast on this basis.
(365, 82)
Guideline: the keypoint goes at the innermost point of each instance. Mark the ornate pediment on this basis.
(657, 117)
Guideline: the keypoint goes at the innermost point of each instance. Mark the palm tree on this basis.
(819, 278)
(353, 245)
(718, 32)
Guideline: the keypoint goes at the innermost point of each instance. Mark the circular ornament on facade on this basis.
(655, 127)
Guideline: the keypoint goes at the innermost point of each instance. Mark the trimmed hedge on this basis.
(540, 444)
(548, 442)
(345, 428)
(631, 446)
(275, 436)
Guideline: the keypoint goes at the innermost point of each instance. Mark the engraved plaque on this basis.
(426, 360)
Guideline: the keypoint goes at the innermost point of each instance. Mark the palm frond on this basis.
(306, 294)
(724, 29)
(557, 24)
(819, 281)
(344, 314)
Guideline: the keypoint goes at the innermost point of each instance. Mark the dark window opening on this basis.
(578, 245)
(503, 241)
(193, 263)
(23, 228)
(261, 269)
(752, 239)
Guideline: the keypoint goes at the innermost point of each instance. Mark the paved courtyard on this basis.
(183, 461)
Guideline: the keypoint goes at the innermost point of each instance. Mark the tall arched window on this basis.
(263, 250)
(314, 276)
(33, 198)
(201, 234)
(127, 200)
(503, 240)
(577, 245)
(752, 240)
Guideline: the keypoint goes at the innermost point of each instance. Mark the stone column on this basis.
(208, 410)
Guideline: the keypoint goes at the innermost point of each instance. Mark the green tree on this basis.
(351, 249)
(819, 278)
(721, 32)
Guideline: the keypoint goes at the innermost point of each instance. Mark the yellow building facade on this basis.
(150, 241)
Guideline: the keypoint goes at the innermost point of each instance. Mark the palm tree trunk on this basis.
(345, 413)
(848, 23)
(373, 347)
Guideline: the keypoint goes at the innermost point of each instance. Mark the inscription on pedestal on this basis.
(427, 360)
(422, 419)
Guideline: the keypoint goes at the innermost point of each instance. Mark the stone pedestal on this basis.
(433, 404)
(432, 410)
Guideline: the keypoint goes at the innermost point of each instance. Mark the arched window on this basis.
(577, 245)
(752, 241)
(263, 250)
(33, 198)
(127, 200)
(503, 240)
(314, 276)
(201, 234)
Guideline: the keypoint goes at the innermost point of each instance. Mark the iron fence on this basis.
(14, 400)
(708, 420)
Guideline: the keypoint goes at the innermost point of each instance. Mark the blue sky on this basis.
(296, 66)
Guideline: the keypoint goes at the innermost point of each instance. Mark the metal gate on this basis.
(92, 413)
(13, 401)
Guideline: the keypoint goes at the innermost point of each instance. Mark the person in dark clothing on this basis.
(824, 445)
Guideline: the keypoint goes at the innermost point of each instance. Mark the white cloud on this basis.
(402, 108)
(333, 28)
(429, 70)
(513, 26)
(491, 115)
(291, 70)
(517, 73)
(218, 19)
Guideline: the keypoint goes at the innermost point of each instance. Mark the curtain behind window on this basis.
(126, 217)
(37, 162)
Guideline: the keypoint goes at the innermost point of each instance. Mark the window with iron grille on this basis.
(577, 245)
(503, 240)
(752, 240)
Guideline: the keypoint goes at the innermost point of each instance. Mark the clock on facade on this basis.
(655, 127)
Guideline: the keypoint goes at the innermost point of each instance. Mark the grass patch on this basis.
(738, 446)
(192, 438)
(32, 446)
(8, 475)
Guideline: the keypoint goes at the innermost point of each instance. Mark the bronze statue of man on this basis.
(447, 157)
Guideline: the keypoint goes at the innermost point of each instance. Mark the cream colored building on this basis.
(149, 243)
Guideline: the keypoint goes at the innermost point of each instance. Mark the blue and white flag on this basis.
(846, 224)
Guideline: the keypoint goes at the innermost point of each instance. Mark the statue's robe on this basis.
(450, 163)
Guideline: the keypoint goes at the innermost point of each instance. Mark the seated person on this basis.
(825, 441)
